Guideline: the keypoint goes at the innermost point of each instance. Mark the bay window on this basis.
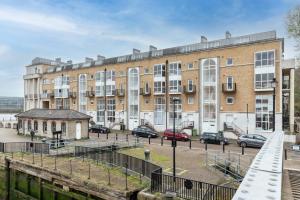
(159, 87)
(159, 70)
(111, 108)
(264, 112)
(100, 110)
(159, 110)
(264, 69)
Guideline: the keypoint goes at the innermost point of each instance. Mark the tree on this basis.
(293, 24)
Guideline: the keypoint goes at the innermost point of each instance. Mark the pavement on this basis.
(10, 135)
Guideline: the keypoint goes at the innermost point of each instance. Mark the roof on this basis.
(53, 114)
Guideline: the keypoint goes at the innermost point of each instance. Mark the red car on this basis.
(168, 134)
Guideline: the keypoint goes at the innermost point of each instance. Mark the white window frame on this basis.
(190, 85)
(228, 83)
(100, 110)
(264, 112)
(111, 110)
(159, 110)
(174, 86)
(159, 70)
(190, 66)
(175, 69)
(227, 61)
(159, 87)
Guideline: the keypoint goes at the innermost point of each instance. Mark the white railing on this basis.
(263, 180)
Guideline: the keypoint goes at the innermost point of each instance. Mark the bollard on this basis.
(243, 151)
(106, 135)
(149, 139)
(41, 159)
(71, 170)
(33, 158)
(116, 136)
(147, 154)
(89, 171)
(206, 159)
(108, 172)
(162, 141)
(137, 139)
(190, 144)
(126, 137)
(98, 134)
(55, 163)
(126, 174)
(285, 154)
(223, 147)
(205, 146)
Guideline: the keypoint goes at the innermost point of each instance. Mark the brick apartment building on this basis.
(220, 84)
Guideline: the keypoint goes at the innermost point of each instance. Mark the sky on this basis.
(75, 29)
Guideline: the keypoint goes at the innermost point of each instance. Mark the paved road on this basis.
(10, 135)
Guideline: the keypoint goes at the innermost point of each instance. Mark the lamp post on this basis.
(174, 138)
(274, 84)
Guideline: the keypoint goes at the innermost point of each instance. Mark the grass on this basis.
(155, 157)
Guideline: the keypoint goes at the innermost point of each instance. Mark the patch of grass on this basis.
(155, 157)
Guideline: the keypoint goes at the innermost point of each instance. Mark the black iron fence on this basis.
(189, 189)
(110, 156)
(24, 147)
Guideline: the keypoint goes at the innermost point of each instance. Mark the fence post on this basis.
(206, 158)
(243, 151)
(108, 172)
(107, 135)
(149, 139)
(32, 157)
(285, 154)
(41, 158)
(116, 136)
(162, 141)
(190, 143)
(89, 171)
(223, 147)
(55, 162)
(126, 137)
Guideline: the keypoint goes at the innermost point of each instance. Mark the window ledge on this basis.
(264, 90)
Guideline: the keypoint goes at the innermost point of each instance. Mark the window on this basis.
(110, 90)
(263, 81)
(53, 126)
(229, 83)
(175, 86)
(133, 93)
(63, 128)
(35, 126)
(100, 110)
(110, 75)
(45, 126)
(190, 100)
(146, 70)
(264, 59)
(159, 110)
(100, 82)
(229, 100)
(190, 65)
(66, 103)
(178, 111)
(229, 62)
(82, 93)
(29, 125)
(147, 89)
(111, 107)
(159, 70)
(159, 87)
(190, 85)
(264, 112)
(58, 104)
(174, 69)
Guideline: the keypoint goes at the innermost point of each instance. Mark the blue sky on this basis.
(76, 29)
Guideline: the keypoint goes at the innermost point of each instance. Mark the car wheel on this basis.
(243, 144)
(202, 141)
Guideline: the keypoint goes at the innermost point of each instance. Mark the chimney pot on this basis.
(136, 51)
(203, 39)
(227, 35)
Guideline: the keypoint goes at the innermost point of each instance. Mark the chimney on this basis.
(58, 60)
(88, 60)
(136, 51)
(69, 62)
(152, 48)
(227, 35)
(100, 58)
(203, 39)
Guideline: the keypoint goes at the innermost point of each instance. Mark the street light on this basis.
(175, 99)
(274, 84)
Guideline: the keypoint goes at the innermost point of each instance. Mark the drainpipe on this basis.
(105, 97)
(166, 91)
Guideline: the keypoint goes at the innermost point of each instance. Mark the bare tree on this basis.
(293, 24)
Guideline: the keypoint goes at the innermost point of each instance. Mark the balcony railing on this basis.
(187, 89)
(120, 92)
(145, 91)
(175, 91)
(45, 96)
(90, 93)
(229, 87)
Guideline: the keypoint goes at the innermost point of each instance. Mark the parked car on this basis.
(144, 131)
(168, 134)
(213, 138)
(251, 140)
(98, 129)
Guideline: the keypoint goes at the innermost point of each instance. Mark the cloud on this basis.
(39, 20)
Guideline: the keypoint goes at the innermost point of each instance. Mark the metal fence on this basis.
(24, 147)
(110, 156)
(189, 189)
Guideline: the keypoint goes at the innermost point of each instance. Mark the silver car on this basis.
(251, 140)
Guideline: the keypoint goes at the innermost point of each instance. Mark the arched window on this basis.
(53, 126)
(63, 127)
(35, 126)
(29, 125)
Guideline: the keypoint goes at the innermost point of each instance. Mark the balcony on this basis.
(120, 92)
(177, 90)
(46, 96)
(72, 94)
(227, 89)
(90, 93)
(189, 90)
(145, 91)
